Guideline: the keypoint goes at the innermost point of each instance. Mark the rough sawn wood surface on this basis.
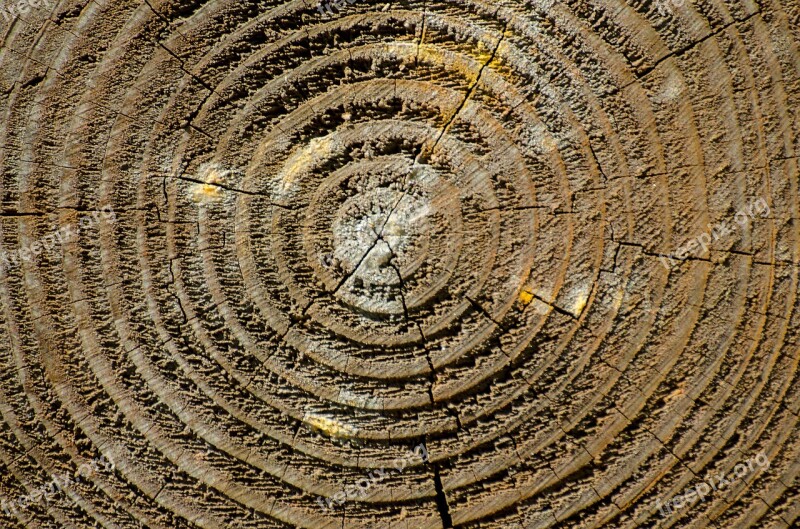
(418, 264)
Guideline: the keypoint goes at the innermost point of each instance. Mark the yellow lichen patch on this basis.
(580, 302)
(210, 191)
(486, 53)
(207, 193)
(466, 67)
(329, 427)
(302, 161)
(525, 297)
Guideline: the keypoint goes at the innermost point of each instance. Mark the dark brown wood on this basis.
(399, 265)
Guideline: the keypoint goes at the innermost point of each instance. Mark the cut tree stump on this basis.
(418, 264)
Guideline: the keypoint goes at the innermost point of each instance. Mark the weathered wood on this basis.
(417, 265)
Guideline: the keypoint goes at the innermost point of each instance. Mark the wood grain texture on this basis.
(305, 242)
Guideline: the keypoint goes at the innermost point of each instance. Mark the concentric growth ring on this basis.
(418, 265)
